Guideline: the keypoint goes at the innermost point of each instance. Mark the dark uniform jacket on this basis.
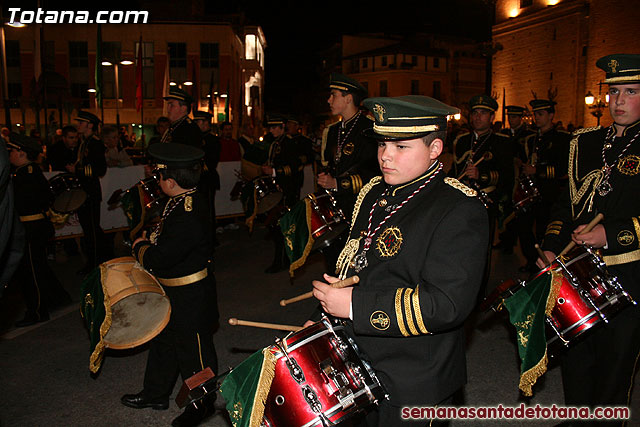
(424, 270)
(33, 198)
(285, 159)
(497, 170)
(350, 157)
(211, 159)
(549, 152)
(59, 156)
(183, 131)
(306, 156)
(621, 206)
(91, 166)
(180, 248)
(12, 236)
(516, 140)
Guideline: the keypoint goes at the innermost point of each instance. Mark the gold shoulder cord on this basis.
(351, 248)
(591, 180)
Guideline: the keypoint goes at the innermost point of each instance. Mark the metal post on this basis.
(5, 79)
(117, 97)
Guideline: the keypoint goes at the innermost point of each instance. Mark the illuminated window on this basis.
(250, 46)
(78, 55)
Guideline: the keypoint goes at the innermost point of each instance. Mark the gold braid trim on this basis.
(418, 311)
(592, 179)
(95, 360)
(622, 258)
(323, 146)
(140, 254)
(408, 312)
(529, 378)
(398, 305)
(636, 226)
(361, 195)
(310, 240)
(460, 186)
(267, 373)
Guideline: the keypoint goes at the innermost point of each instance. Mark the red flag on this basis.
(139, 77)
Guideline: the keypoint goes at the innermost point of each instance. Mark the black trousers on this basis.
(96, 244)
(185, 346)
(530, 228)
(388, 415)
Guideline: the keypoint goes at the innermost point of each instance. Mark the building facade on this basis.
(220, 64)
(549, 48)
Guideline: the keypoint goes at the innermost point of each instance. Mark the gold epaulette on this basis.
(585, 130)
(460, 186)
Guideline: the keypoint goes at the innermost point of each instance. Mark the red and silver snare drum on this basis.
(320, 379)
(525, 195)
(327, 219)
(589, 295)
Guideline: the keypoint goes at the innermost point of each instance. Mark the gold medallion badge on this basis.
(613, 65)
(629, 165)
(379, 111)
(389, 242)
(348, 148)
(625, 237)
(380, 320)
(188, 204)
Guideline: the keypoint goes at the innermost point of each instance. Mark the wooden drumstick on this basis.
(485, 156)
(237, 322)
(587, 229)
(338, 285)
(541, 254)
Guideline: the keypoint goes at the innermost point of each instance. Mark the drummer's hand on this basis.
(472, 172)
(550, 256)
(267, 170)
(596, 238)
(327, 181)
(336, 302)
(308, 323)
(70, 167)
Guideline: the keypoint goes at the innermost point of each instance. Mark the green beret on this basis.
(515, 110)
(407, 117)
(171, 155)
(620, 68)
(542, 104)
(484, 102)
(179, 94)
(342, 82)
(85, 116)
(202, 115)
(24, 143)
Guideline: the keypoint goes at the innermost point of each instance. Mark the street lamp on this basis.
(115, 69)
(597, 105)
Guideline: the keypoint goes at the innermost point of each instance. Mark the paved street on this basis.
(44, 369)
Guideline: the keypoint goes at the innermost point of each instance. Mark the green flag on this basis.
(95, 308)
(98, 73)
(527, 311)
(298, 241)
(246, 388)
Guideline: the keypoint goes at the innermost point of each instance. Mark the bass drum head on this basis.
(269, 202)
(69, 200)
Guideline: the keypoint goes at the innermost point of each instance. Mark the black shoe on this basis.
(138, 401)
(193, 416)
(31, 319)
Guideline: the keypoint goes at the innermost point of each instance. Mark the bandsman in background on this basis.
(210, 179)
(418, 244)
(181, 130)
(483, 160)
(90, 166)
(604, 177)
(304, 146)
(544, 161)
(283, 164)
(517, 132)
(40, 287)
(178, 254)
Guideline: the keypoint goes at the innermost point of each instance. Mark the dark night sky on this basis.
(297, 32)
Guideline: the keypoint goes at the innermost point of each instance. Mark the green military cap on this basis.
(85, 116)
(179, 94)
(542, 104)
(484, 102)
(407, 117)
(202, 115)
(171, 155)
(515, 110)
(342, 82)
(275, 120)
(24, 143)
(620, 68)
